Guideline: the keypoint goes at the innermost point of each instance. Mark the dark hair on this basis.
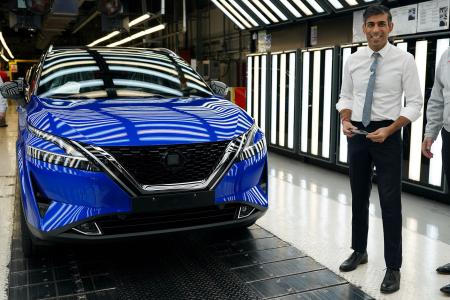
(375, 10)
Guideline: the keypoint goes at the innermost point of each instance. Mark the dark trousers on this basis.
(446, 154)
(363, 155)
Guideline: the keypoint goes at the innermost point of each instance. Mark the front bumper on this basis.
(65, 234)
(78, 197)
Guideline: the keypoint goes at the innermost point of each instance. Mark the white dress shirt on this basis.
(396, 74)
(438, 108)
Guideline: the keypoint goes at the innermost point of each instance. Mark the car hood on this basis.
(139, 122)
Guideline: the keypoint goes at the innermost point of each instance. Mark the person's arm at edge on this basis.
(435, 109)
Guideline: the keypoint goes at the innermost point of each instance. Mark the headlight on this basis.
(71, 159)
(254, 143)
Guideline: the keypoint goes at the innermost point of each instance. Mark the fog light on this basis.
(89, 228)
(245, 211)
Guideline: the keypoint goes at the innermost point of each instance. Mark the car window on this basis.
(110, 73)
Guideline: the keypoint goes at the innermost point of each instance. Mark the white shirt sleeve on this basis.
(435, 106)
(411, 87)
(346, 96)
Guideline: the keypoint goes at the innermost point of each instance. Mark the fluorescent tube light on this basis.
(276, 10)
(291, 8)
(326, 125)
(225, 11)
(256, 11)
(343, 150)
(249, 84)
(139, 20)
(303, 7)
(305, 103)
(266, 11)
(336, 4)
(2, 39)
(316, 6)
(415, 151)
(106, 37)
(138, 35)
(291, 107)
(351, 2)
(282, 114)
(273, 122)
(242, 11)
(315, 104)
(235, 13)
(256, 90)
(263, 92)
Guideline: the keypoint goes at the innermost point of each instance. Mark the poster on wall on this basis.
(358, 21)
(433, 15)
(264, 41)
(404, 19)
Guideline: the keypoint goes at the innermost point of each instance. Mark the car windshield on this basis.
(96, 73)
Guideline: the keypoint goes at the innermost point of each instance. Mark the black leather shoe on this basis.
(446, 289)
(445, 269)
(391, 282)
(357, 258)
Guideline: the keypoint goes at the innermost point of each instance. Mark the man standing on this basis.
(372, 115)
(438, 119)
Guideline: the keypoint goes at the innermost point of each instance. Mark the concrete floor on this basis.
(7, 190)
(310, 208)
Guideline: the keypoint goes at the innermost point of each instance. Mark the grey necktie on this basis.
(367, 110)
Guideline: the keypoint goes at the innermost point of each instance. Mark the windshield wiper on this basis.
(65, 96)
(158, 96)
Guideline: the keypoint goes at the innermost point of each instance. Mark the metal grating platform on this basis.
(244, 264)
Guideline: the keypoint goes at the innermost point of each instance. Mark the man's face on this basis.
(377, 29)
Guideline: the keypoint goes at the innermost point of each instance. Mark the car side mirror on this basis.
(13, 89)
(219, 88)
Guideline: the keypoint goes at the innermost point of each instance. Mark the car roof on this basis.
(113, 49)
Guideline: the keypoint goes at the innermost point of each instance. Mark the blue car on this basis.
(127, 142)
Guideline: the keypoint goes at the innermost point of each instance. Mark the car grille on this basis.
(167, 220)
(149, 165)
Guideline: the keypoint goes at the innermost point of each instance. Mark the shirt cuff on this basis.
(410, 113)
(432, 133)
(344, 104)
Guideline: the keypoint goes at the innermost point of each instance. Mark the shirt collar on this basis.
(382, 52)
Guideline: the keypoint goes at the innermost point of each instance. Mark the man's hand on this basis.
(426, 147)
(347, 128)
(380, 135)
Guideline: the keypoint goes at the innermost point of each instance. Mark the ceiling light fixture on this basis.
(246, 15)
(5, 46)
(138, 35)
(266, 11)
(256, 11)
(234, 12)
(292, 9)
(139, 20)
(114, 33)
(225, 11)
(276, 10)
(107, 37)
